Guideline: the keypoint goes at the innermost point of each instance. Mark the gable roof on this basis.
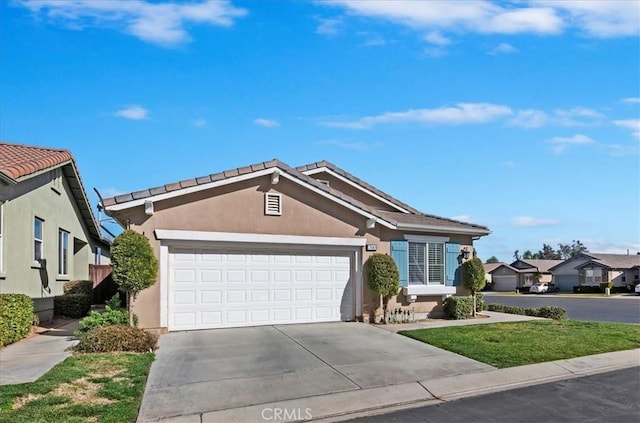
(20, 162)
(323, 165)
(393, 220)
(541, 265)
(491, 267)
(613, 261)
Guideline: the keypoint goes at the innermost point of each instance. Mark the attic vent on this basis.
(323, 181)
(273, 204)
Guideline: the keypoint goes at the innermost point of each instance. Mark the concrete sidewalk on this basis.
(30, 358)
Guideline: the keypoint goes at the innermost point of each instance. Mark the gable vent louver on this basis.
(273, 204)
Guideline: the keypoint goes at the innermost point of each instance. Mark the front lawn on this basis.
(519, 343)
(83, 388)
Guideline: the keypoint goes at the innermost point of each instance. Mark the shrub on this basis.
(107, 318)
(114, 303)
(383, 277)
(587, 289)
(473, 278)
(552, 312)
(16, 316)
(480, 305)
(118, 338)
(458, 307)
(605, 285)
(547, 312)
(72, 305)
(78, 287)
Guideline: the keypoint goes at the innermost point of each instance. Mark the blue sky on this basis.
(520, 115)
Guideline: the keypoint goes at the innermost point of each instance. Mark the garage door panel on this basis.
(257, 289)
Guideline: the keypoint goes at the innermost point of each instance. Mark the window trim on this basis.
(62, 260)
(38, 241)
(425, 239)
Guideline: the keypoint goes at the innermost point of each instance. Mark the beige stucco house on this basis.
(270, 244)
(48, 233)
(501, 276)
(592, 269)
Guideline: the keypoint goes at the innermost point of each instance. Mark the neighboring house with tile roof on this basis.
(48, 233)
(595, 268)
(269, 243)
(501, 277)
(531, 271)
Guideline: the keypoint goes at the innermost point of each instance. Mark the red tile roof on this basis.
(18, 160)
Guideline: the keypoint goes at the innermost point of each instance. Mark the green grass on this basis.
(83, 388)
(519, 343)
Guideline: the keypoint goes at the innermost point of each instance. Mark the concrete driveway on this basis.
(213, 370)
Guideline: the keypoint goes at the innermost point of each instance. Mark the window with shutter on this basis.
(273, 204)
(426, 263)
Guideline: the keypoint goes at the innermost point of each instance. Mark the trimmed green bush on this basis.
(108, 317)
(383, 278)
(118, 338)
(72, 305)
(587, 289)
(547, 312)
(79, 287)
(16, 316)
(459, 307)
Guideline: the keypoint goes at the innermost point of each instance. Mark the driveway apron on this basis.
(211, 370)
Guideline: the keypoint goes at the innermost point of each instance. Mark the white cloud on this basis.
(603, 246)
(435, 37)
(348, 145)
(133, 112)
(561, 143)
(527, 221)
(199, 123)
(632, 124)
(460, 114)
(578, 116)
(529, 118)
(598, 18)
(329, 26)
(267, 123)
(466, 218)
(631, 100)
(595, 18)
(503, 48)
(157, 23)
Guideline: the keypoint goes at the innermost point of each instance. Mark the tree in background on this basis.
(135, 266)
(492, 259)
(473, 278)
(383, 278)
(567, 251)
(564, 251)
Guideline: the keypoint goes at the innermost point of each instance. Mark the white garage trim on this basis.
(174, 235)
(173, 238)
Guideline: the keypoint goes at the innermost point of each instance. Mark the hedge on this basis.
(72, 305)
(461, 307)
(79, 287)
(547, 312)
(118, 338)
(16, 316)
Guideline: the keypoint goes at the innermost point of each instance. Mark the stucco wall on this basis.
(48, 197)
(240, 208)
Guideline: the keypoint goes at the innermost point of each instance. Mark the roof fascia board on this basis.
(431, 228)
(190, 190)
(355, 185)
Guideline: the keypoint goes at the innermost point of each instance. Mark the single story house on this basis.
(596, 268)
(271, 244)
(531, 271)
(48, 232)
(501, 276)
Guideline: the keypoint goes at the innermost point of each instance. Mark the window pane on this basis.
(436, 263)
(37, 250)
(416, 263)
(37, 228)
(63, 252)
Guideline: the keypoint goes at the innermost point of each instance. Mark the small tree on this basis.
(383, 278)
(135, 266)
(473, 278)
(493, 259)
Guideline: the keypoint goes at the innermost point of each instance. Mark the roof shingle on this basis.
(17, 160)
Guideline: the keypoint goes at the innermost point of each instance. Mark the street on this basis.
(624, 309)
(607, 397)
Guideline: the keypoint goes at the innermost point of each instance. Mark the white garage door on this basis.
(504, 283)
(215, 289)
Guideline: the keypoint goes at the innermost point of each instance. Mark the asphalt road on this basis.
(607, 397)
(624, 309)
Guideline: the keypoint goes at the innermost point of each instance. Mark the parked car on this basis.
(539, 288)
(637, 289)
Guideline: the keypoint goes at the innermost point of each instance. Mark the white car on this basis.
(637, 289)
(539, 288)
